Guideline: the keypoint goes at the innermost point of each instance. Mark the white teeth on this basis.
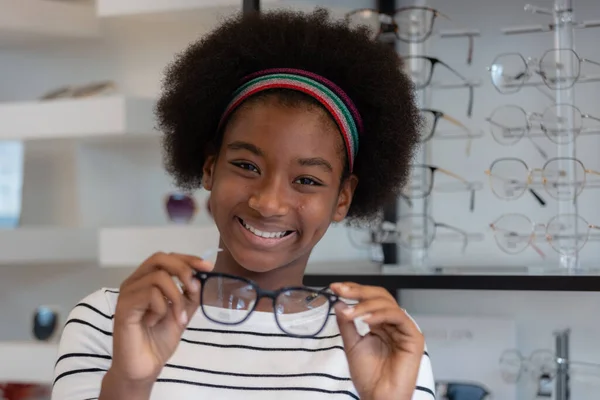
(267, 235)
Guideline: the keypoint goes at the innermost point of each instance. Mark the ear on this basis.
(345, 198)
(208, 172)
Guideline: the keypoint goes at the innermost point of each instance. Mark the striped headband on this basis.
(327, 93)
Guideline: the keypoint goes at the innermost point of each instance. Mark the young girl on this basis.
(292, 121)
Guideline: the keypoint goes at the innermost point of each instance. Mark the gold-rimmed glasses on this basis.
(431, 117)
(511, 177)
(566, 233)
(510, 71)
(561, 123)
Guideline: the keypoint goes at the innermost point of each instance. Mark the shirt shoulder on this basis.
(85, 349)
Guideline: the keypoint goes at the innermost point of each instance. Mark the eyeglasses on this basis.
(460, 391)
(422, 186)
(566, 233)
(230, 300)
(513, 366)
(510, 177)
(181, 207)
(543, 363)
(413, 231)
(422, 72)
(431, 117)
(561, 123)
(412, 24)
(89, 90)
(558, 68)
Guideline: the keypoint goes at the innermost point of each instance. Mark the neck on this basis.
(286, 275)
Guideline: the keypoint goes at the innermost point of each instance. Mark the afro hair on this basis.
(199, 84)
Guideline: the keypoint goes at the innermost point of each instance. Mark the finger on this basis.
(162, 281)
(367, 307)
(158, 307)
(176, 266)
(354, 291)
(396, 317)
(350, 336)
(196, 262)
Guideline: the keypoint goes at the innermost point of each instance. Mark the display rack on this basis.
(562, 26)
(419, 257)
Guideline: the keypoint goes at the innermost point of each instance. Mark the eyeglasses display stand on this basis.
(559, 72)
(416, 230)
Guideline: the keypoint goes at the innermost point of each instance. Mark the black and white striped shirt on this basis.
(250, 361)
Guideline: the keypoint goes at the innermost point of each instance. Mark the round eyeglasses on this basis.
(230, 300)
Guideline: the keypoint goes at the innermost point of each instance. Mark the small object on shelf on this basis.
(79, 91)
(45, 322)
(24, 391)
(181, 207)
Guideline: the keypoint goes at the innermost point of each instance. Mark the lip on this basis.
(264, 243)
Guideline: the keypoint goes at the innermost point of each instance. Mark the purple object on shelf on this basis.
(181, 207)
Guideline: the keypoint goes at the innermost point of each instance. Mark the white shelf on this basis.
(106, 247)
(129, 247)
(27, 362)
(51, 246)
(210, 10)
(116, 8)
(100, 117)
(24, 21)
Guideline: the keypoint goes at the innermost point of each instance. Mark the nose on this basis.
(270, 199)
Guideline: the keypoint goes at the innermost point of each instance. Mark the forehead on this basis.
(291, 131)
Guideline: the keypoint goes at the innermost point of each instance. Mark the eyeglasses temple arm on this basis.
(590, 171)
(588, 116)
(460, 231)
(537, 249)
(463, 180)
(590, 61)
(461, 125)
(537, 197)
(471, 92)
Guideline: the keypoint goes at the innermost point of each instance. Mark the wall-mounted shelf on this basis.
(52, 246)
(566, 283)
(27, 362)
(32, 21)
(106, 247)
(207, 9)
(96, 117)
(129, 246)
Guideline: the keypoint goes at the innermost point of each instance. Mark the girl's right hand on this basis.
(151, 315)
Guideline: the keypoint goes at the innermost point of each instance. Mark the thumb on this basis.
(350, 336)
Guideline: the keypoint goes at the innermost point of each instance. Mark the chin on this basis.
(257, 261)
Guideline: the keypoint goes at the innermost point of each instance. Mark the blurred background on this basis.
(493, 247)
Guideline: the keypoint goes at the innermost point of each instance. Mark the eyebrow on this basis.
(239, 145)
(316, 162)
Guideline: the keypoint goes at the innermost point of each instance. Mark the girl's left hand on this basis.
(384, 364)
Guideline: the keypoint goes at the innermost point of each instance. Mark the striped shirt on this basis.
(254, 360)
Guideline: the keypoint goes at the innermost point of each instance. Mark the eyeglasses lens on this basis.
(313, 304)
(414, 24)
(227, 300)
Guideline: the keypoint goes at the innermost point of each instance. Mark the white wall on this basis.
(70, 185)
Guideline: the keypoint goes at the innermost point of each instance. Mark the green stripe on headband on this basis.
(331, 101)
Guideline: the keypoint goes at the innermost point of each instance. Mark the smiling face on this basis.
(276, 184)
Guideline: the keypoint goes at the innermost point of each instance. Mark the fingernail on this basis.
(183, 319)
(194, 286)
(348, 311)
